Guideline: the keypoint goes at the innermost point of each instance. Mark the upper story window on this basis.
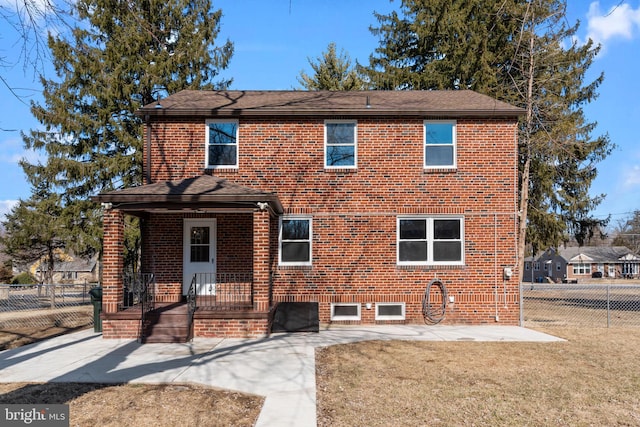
(222, 144)
(340, 144)
(430, 240)
(295, 241)
(439, 144)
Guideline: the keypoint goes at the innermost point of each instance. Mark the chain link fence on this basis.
(588, 305)
(45, 306)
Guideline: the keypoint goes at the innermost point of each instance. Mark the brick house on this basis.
(348, 204)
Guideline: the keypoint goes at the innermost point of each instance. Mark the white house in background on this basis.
(575, 263)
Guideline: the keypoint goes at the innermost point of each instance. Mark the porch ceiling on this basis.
(198, 193)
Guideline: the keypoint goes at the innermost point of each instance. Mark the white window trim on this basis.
(430, 240)
(581, 268)
(454, 141)
(295, 263)
(206, 151)
(387, 317)
(355, 144)
(351, 304)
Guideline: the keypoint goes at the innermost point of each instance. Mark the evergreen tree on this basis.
(121, 56)
(521, 52)
(332, 72)
(34, 231)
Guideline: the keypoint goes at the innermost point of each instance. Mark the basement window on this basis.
(341, 311)
(390, 311)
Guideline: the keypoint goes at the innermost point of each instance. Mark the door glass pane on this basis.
(200, 240)
(199, 253)
(199, 235)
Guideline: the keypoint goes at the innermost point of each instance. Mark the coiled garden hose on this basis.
(434, 313)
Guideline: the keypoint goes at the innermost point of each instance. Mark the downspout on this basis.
(495, 264)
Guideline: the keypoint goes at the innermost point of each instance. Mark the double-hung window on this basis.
(222, 144)
(430, 241)
(295, 241)
(340, 144)
(439, 144)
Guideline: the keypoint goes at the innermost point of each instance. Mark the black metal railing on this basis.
(137, 288)
(192, 303)
(224, 291)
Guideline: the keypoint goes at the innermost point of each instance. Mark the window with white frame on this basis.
(222, 144)
(295, 240)
(345, 311)
(430, 240)
(439, 144)
(558, 266)
(581, 268)
(527, 265)
(390, 311)
(536, 265)
(340, 144)
(630, 269)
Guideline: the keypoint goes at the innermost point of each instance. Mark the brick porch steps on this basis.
(168, 323)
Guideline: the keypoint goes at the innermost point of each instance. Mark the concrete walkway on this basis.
(280, 367)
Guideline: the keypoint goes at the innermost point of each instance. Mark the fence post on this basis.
(521, 301)
(608, 304)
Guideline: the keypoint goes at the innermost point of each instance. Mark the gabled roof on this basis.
(191, 193)
(77, 264)
(422, 103)
(596, 254)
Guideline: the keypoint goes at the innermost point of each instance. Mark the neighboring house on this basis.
(349, 202)
(69, 269)
(575, 263)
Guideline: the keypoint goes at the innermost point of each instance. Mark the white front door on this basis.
(199, 255)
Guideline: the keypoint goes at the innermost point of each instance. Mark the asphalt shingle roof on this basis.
(426, 103)
(598, 254)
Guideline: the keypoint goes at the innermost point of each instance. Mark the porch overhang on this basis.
(204, 193)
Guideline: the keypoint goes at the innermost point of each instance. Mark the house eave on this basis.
(198, 203)
(365, 112)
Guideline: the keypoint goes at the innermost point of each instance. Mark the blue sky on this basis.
(275, 39)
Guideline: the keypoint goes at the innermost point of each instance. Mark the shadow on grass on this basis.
(50, 393)
(14, 338)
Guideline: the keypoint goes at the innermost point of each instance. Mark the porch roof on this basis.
(201, 192)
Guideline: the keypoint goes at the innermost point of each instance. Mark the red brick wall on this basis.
(354, 211)
(121, 328)
(230, 328)
(163, 248)
(113, 248)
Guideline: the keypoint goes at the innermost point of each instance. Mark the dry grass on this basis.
(140, 405)
(26, 327)
(124, 405)
(592, 379)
